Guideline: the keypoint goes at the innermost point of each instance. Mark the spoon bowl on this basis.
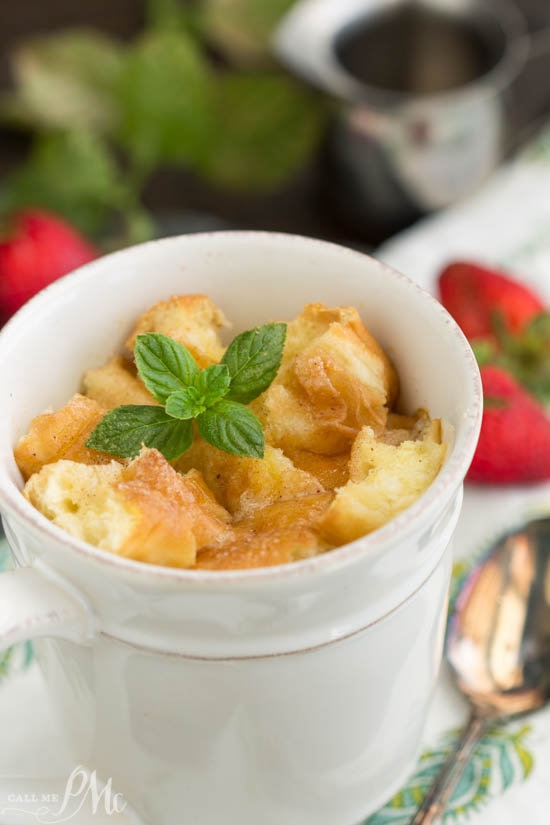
(499, 634)
(498, 645)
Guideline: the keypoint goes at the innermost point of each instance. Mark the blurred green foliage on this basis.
(241, 28)
(65, 80)
(268, 128)
(105, 115)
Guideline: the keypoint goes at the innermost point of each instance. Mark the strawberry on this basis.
(39, 248)
(474, 295)
(514, 445)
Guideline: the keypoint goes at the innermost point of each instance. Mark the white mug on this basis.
(292, 694)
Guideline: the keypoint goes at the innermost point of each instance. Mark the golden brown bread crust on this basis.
(242, 485)
(304, 511)
(249, 550)
(61, 434)
(330, 470)
(151, 472)
(193, 320)
(277, 534)
(115, 384)
(144, 511)
(334, 379)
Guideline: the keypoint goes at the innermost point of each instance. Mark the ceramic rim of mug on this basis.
(513, 59)
(449, 478)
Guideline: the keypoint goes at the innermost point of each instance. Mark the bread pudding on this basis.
(314, 457)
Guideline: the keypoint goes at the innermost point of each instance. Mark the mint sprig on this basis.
(123, 431)
(253, 360)
(232, 427)
(214, 397)
(165, 366)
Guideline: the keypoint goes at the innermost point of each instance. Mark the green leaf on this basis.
(507, 771)
(164, 365)
(212, 383)
(174, 15)
(492, 402)
(253, 359)
(139, 226)
(484, 350)
(242, 28)
(266, 128)
(123, 431)
(185, 404)
(71, 173)
(65, 80)
(209, 386)
(233, 428)
(526, 758)
(165, 98)
(526, 355)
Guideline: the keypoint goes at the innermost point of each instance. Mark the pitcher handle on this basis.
(34, 603)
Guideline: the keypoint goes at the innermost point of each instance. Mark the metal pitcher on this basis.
(434, 93)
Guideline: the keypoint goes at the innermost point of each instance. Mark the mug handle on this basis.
(34, 604)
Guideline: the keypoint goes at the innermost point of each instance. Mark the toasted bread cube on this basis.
(249, 550)
(304, 511)
(115, 384)
(334, 379)
(385, 479)
(243, 484)
(193, 320)
(61, 434)
(144, 511)
(331, 470)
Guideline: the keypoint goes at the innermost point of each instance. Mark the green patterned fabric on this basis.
(500, 760)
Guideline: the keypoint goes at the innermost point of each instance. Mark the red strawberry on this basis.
(474, 294)
(39, 249)
(514, 445)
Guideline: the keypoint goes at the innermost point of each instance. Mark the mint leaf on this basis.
(185, 404)
(209, 386)
(253, 359)
(212, 383)
(172, 375)
(123, 431)
(233, 428)
(165, 366)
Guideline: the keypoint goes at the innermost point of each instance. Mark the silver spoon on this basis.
(498, 646)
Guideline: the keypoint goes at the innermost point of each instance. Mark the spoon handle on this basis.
(435, 801)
